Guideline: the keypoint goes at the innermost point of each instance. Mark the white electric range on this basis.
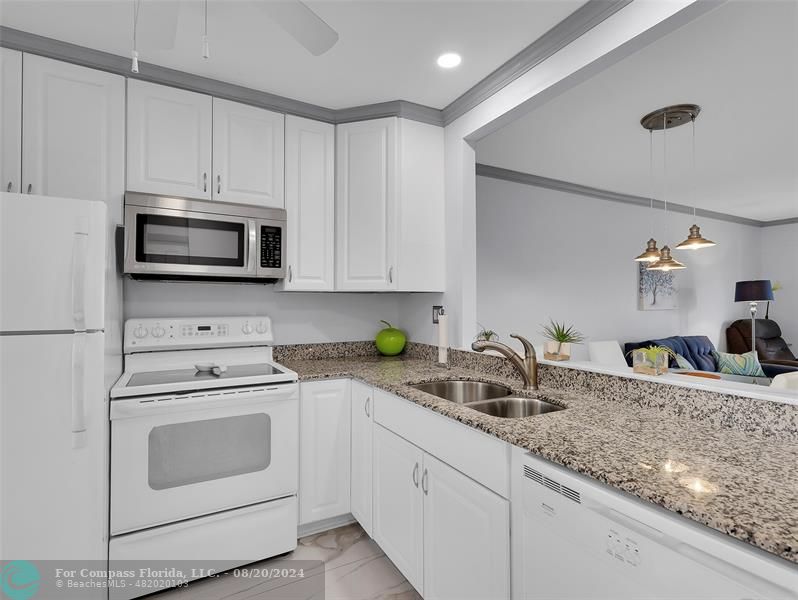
(204, 443)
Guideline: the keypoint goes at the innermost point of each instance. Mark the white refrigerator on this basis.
(53, 404)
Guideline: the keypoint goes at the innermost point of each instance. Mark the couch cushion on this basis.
(702, 352)
(739, 364)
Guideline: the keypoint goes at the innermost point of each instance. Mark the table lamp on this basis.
(758, 290)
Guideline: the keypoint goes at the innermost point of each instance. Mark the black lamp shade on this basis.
(758, 290)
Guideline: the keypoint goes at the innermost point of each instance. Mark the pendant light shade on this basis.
(695, 240)
(666, 262)
(651, 253)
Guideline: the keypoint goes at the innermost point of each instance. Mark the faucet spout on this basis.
(527, 366)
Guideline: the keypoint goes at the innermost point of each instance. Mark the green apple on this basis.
(390, 341)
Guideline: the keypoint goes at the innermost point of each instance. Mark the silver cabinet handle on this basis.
(290, 274)
(204, 182)
(30, 188)
(424, 480)
(415, 475)
(8, 188)
(390, 275)
(366, 406)
(218, 184)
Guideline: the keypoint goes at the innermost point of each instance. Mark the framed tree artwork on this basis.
(656, 290)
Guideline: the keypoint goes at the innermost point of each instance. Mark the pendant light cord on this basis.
(665, 173)
(651, 179)
(692, 118)
(136, 6)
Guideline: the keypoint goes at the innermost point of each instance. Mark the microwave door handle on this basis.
(252, 247)
(80, 247)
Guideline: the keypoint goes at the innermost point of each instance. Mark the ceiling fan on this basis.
(157, 23)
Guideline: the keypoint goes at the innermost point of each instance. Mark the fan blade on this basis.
(157, 26)
(304, 25)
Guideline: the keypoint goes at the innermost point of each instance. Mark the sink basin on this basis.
(463, 392)
(514, 407)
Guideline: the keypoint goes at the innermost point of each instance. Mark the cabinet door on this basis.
(466, 536)
(73, 131)
(310, 203)
(366, 205)
(248, 154)
(324, 439)
(362, 453)
(169, 140)
(11, 119)
(398, 504)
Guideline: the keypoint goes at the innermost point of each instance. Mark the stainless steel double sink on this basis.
(488, 398)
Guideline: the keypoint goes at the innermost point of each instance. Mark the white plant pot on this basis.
(556, 351)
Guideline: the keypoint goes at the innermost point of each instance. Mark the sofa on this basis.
(771, 348)
(699, 352)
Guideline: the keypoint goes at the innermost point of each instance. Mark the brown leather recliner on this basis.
(770, 346)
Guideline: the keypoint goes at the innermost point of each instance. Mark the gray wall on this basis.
(545, 254)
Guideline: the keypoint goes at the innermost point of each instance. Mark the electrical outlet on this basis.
(436, 311)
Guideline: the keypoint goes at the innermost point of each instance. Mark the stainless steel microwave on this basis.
(179, 238)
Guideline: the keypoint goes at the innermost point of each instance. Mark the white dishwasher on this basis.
(576, 539)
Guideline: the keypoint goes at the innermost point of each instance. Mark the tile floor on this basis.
(355, 568)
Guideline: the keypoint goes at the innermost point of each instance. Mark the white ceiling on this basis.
(739, 62)
(386, 51)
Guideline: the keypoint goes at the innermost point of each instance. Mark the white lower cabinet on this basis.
(447, 534)
(362, 453)
(398, 504)
(324, 450)
(466, 536)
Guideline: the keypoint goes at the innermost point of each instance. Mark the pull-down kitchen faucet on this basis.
(527, 366)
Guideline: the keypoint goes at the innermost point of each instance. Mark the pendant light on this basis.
(206, 49)
(134, 65)
(651, 253)
(666, 262)
(695, 241)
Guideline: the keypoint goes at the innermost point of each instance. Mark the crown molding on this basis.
(577, 23)
(568, 187)
(582, 20)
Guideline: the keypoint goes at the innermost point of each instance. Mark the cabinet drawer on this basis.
(478, 455)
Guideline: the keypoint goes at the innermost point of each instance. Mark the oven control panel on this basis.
(148, 335)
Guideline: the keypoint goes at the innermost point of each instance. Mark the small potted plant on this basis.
(486, 335)
(560, 339)
(652, 360)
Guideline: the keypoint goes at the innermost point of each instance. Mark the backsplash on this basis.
(287, 352)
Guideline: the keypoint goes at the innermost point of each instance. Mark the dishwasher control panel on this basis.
(622, 548)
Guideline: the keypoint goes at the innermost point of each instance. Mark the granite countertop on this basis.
(624, 445)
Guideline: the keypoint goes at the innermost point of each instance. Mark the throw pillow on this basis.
(739, 364)
(683, 363)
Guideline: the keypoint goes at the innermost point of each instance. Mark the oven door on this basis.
(164, 241)
(176, 457)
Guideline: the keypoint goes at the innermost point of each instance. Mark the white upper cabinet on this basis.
(11, 119)
(169, 141)
(73, 131)
(310, 204)
(248, 150)
(390, 206)
(365, 205)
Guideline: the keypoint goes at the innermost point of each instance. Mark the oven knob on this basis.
(246, 328)
(140, 332)
(262, 328)
(158, 331)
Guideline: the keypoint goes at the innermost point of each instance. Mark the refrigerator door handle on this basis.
(80, 250)
(79, 390)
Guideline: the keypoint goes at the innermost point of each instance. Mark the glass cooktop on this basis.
(191, 375)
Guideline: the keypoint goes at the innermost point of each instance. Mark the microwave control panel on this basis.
(271, 245)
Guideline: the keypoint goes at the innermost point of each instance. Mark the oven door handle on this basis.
(252, 249)
(225, 399)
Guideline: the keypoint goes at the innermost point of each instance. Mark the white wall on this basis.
(297, 317)
(780, 264)
(544, 254)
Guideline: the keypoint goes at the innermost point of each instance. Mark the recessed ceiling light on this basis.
(449, 60)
